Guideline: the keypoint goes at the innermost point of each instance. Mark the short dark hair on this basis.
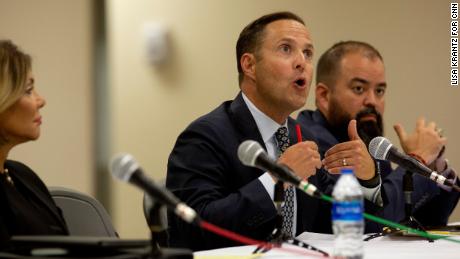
(251, 36)
(328, 66)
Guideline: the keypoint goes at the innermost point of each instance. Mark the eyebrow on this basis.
(288, 39)
(310, 46)
(363, 81)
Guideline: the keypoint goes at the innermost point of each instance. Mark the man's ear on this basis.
(248, 65)
(322, 95)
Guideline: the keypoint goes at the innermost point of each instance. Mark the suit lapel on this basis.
(244, 122)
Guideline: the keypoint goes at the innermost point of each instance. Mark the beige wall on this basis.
(58, 36)
(151, 105)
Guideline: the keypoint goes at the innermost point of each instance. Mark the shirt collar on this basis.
(267, 127)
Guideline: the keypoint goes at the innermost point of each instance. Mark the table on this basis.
(381, 247)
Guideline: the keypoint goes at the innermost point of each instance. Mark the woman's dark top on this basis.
(26, 206)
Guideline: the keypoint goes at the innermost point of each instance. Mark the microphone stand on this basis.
(158, 225)
(278, 236)
(409, 220)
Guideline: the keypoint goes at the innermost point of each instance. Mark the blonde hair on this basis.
(14, 67)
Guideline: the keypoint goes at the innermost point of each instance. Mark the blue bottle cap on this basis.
(346, 171)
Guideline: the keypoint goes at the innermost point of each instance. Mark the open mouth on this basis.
(300, 82)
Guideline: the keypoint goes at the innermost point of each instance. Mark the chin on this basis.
(298, 104)
(34, 136)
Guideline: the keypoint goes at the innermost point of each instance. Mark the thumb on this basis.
(353, 131)
(400, 131)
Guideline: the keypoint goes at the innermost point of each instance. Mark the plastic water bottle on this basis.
(347, 216)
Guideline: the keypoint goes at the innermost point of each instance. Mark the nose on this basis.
(41, 101)
(300, 61)
(370, 100)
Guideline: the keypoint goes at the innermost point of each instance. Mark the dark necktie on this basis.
(282, 139)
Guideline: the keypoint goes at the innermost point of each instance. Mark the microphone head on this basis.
(123, 166)
(248, 151)
(379, 147)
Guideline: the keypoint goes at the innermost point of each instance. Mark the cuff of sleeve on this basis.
(372, 188)
(371, 183)
(373, 194)
(451, 176)
(268, 183)
(374, 181)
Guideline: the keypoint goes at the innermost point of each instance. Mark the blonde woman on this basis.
(26, 206)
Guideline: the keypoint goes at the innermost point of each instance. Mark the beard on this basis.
(367, 129)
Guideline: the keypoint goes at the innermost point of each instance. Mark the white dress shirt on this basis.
(267, 128)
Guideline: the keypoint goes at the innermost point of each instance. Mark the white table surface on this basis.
(381, 247)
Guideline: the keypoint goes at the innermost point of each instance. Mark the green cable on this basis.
(327, 198)
(396, 225)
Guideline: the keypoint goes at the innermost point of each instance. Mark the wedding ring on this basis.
(344, 162)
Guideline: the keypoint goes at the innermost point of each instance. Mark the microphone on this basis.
(382, 149)
(252, 154)
(125, 168)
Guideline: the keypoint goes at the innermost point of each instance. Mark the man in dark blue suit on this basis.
(274, 55)
(350, 101)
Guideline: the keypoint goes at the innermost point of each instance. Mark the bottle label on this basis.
(347, 210)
